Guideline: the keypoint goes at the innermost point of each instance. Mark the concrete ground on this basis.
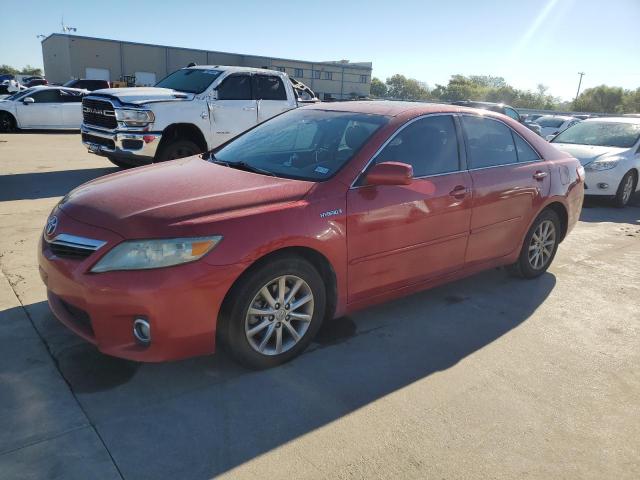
(489, 377)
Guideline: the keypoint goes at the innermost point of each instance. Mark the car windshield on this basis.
(190, 80)
(305, 144)
(70, 83)
(550, 122)
(18, 95)
(604, 134)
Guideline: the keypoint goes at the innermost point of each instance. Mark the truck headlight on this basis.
(135, 118)
(146, 254)
(604, 164)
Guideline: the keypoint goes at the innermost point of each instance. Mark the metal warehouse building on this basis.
(72, 56)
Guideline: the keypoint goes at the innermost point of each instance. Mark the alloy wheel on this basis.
(627, 189)
(542, 244)
(279, 315)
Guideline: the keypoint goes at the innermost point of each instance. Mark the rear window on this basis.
(550, 122)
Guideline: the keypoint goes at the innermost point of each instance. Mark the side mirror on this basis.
(390, 173)
(28, 100)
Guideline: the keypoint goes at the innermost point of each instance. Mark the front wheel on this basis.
(539, 247)
(625, 189)
(273, 314)
(177, 149)
(7, 122)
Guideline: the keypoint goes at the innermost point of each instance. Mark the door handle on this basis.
(540, 175)
(248, 109)
(460, 191)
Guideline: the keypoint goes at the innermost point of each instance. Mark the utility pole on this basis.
(579, 84)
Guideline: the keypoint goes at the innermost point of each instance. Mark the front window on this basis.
(190, 80)
(19, 95)
(303, 144)
(603, 134)
(550, 122)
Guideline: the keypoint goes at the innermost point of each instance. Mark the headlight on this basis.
(135, 118)
(604, 164)
(145, 254)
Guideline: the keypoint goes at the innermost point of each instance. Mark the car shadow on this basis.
(597, 209)
(201, 417)
(30, 186)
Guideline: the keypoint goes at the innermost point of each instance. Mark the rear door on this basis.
(71, 109)
(235, 109)
(45, 112)
(271, 94)
(403, 234)
(510, 182)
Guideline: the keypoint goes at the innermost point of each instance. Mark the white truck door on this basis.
(71, 108)
(45, 112)
(235, 110)
(271, 94)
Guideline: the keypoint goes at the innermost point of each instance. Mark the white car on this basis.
(552, 125)
(609, 150)
(54, 108)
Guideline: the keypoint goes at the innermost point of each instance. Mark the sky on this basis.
(525, 41)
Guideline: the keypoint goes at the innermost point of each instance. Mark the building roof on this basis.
(341, 63)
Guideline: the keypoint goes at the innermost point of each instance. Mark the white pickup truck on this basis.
(191, 111)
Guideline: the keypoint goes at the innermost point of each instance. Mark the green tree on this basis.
(631, 101)
(378, 88)
(401, 87)
(29, 70)
(602, 99)
(4, 69)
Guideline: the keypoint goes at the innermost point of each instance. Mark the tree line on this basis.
(600, 99)
(26, 70)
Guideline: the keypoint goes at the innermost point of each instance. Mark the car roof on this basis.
(558, 117)
(394, 108)
(229, 68)
(634, 120)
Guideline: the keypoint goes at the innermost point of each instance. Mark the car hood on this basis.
(588, 153)
(142, 95)
(178, 198)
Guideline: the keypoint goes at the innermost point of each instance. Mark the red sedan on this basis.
(308, 216)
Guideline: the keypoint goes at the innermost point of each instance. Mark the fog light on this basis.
(142, 331)
(603, 186)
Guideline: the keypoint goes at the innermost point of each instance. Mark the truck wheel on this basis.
(539, 247)
(273, 313)
(625, 189)
(177, 149)
(7, 122)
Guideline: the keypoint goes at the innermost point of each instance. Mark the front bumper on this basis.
(181, 303)
(136, 148)
(603, 182)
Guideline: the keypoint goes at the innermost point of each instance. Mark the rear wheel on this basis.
(273, 314)
(7, 122)
(625, 189)
(177, 149)
(539, 247)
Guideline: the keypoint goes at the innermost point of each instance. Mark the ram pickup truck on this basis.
(190, 111)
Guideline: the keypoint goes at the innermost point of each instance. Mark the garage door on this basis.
(145, 79)
(97, 74)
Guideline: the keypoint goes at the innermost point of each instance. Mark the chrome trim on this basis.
(74, 241)
(148, 150)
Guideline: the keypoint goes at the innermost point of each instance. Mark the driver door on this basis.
(235, 110)
(45, 112)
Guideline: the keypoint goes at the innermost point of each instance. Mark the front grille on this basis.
(70, 246)
(80, 318)
(99, 113)
(105, 142)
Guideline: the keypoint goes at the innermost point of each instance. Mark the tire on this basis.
(177, 149)
(532, 265)
(625, 189)
(253, 339)
(7, 122)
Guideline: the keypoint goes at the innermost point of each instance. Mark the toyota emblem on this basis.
(52, 224)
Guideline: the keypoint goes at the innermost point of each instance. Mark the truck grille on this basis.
(99, 113)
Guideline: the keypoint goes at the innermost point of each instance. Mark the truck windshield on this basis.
(190, 80)
(302, 144)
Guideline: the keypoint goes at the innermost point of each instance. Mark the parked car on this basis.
(34, 81)
(90, 85)
(609, 150)
(552, 125)
(310, 215)
(54, 108)
(500, 108)
(190, 111)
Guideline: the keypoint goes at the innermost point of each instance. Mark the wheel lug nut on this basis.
(277, 306)
(271, 317)
(287, 317)
(286, 306)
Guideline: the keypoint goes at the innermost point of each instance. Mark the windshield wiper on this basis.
(238, 165)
